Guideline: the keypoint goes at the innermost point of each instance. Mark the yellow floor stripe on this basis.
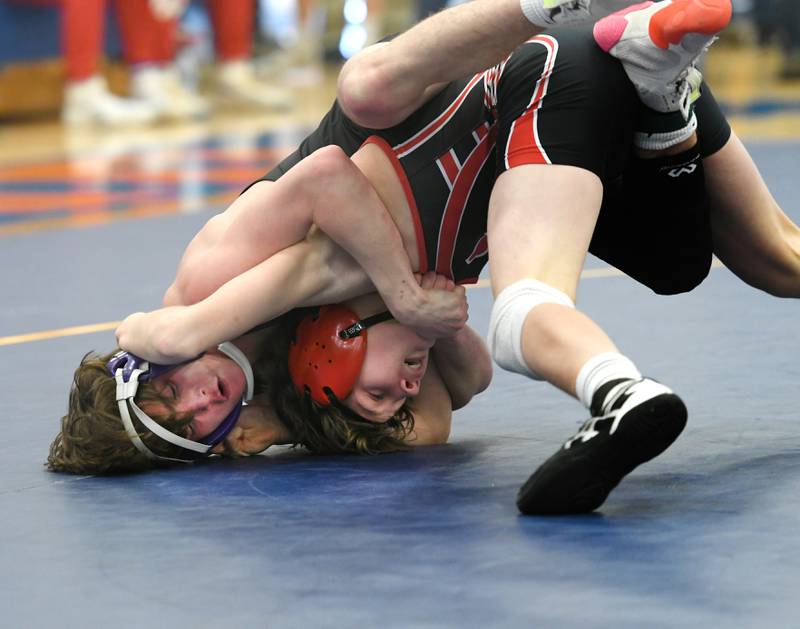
(57, 334)
(111, 325)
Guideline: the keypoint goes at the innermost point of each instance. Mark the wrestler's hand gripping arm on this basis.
(313, 272)
(327, 190)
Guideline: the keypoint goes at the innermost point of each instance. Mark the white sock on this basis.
(599, 370)
(664, 140)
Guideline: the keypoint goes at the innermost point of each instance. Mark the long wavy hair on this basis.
(92, 439)
(324, 429)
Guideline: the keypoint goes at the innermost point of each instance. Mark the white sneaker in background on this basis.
(161, 87)
(236, 84)
(90, 103)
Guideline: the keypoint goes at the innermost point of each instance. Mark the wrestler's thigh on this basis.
(541, 219)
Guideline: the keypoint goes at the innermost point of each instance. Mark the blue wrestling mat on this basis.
(703, 536)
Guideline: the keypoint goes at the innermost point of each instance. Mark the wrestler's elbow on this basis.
(484, 371)
(476, 381)
(464, 387)
(364, 92)
(187, 289)
(327, 164)
(462, 395)
(333, 181)
(173, 295)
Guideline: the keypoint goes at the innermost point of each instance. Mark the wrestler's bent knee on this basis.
(508, 317)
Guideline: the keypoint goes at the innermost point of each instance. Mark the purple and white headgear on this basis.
(129, 370)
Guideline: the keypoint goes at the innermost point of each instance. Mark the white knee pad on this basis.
(508, 316)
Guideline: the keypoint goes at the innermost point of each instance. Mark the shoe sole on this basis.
(592, 476)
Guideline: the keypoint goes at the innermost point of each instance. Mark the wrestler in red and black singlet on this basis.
(558, 99)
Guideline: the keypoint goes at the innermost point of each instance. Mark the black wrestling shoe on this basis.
(632, 422)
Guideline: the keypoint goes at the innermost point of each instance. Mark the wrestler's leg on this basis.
(752, 235)
(385, 83)
(548, 244)
(654, 224)
(540, 221)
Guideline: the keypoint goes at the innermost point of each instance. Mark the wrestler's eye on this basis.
(173, 391)
(376, 396)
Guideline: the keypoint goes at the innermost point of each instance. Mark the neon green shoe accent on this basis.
(554, 4)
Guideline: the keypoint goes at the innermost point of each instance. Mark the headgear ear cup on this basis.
(320, 360)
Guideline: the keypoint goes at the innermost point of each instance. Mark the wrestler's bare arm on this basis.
(432, 410)
(460, 369)
(326, 190)
(464, 364)
(312, 272)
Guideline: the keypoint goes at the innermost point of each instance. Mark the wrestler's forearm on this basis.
(346, 207)
(297, 276)
(325, 190)
(304, 274)
(464, 365)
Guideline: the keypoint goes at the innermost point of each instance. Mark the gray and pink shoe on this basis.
(658, 44)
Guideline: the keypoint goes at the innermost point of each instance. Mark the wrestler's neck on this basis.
(379, 170)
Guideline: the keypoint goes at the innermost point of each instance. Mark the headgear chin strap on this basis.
(129, 371)
(328, 351)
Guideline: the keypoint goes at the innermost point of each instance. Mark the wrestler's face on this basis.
(207, 388)
(395, 363)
